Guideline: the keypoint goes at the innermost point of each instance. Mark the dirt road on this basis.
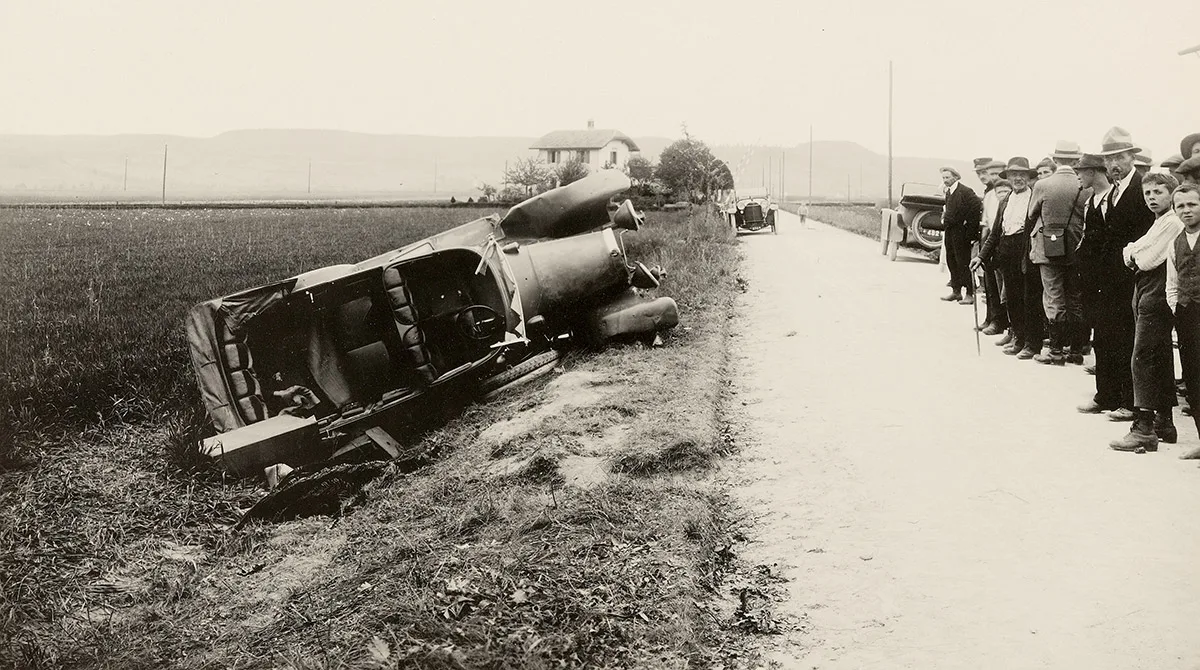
(937, 509)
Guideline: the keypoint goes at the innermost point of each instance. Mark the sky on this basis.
(970, 78)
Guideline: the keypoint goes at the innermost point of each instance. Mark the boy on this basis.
(1183, 293)
(1153, 356)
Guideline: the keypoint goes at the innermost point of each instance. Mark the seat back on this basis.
(414, 351)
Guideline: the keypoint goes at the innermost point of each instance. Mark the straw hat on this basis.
(1066, 150)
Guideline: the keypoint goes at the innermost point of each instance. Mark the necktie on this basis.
(1112, 196)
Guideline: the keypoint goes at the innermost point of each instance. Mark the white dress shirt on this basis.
(1120, 187)
(1173, 272)
(1016, 210)
(1150, 250)
(1101, 200)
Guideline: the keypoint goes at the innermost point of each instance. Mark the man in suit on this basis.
(996, 320)
(1104, 283)
(1127, 219)
(960, 218)
(1055, 222)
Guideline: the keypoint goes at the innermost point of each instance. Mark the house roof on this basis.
(582, 139)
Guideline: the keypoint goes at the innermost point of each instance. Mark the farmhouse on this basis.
(599, 149)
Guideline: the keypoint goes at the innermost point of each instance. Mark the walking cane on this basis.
(975, 307)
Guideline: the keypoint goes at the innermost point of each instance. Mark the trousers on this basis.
(1187, 326)
(1009, 252)
(958, 257)
(1035, 313)
(1153, 362)
(1109, 301)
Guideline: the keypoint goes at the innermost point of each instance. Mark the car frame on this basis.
(916, 222)
(751, 210)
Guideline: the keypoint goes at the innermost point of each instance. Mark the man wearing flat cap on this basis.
(960, 219)
(1190, 146)
(1055, 223)
(1189, 170)
(996, 319)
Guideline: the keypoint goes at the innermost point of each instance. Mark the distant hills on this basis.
(276, 163)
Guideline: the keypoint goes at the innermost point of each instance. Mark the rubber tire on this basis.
(893, 249)
(532, 368)
(927, 243)
(884, 226)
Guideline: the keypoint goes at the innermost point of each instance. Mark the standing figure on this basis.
(1055, 230)
(960, 220)
(1153, 361)
(1183, 294)
(1007, 250)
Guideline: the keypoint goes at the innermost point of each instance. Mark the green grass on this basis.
(116, 544)
(859, 219)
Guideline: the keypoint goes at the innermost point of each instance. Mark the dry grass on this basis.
(117, 548)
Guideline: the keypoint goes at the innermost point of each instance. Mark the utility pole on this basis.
(810, 161)
(847, 189)
(889, 134)
(125, 181)
(770, 172)
(783, 176)
(310, 175)
(164, 182)
(435, 174)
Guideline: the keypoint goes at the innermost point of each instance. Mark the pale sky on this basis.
(970, 78)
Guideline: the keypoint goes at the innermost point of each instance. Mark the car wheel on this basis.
(885, 225)
(929, 238)
(532, 368)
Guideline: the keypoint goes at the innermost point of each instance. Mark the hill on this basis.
(260, 163)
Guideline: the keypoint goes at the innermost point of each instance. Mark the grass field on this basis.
(858, 219)
(117, 548)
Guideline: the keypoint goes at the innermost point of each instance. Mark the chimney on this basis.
(591, 124)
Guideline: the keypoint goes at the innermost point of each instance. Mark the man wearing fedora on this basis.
(1055, 230)
(1007, 250)
(1127, 219)
(1106, 290)
(960, 219)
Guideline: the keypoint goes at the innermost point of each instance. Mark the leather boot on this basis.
(1054, 353)
(1140, 438)
(1008, 337)
(954, 296)
(1164, 427)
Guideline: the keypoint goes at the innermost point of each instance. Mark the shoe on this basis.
(1090, 369)
(1012, 349)
(953, 297)
(1051, 358)
(1091, 407)
(1164, 427)
(1075, 359)
(1121, 414)
(1085, 349)
(1141, 437)
(992, 329)
(1185, 410)
(1026, 354)
(967, 300)
(1008, 337)
(1190, 455)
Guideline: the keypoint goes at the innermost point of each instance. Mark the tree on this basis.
(529, 174)
(488, 191)
(689, 168)
(639, 169)
(572, 170)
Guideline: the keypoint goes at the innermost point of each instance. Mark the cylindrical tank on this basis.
(558, 276)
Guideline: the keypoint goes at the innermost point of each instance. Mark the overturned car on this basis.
(340, 358)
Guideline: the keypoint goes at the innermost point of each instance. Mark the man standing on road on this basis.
(1007, 250)
(1105, 286)
(1183, 294)
(1055, 230)
(960, 218)
(1127, 220)
(1154, 394)
(996, 319)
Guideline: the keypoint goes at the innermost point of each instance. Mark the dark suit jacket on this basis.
(963, 211)
(1127, 220)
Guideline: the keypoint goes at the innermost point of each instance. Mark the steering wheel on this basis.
(478, 322)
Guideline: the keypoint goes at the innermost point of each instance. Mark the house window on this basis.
(612, 158)
(553, 156)
(582, 156)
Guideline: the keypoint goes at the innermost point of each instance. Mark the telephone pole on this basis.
(889, 134)
(810, 162)
(164, 181)
(310, 176)
(125, 180)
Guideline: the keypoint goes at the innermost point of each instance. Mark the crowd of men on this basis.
(1090, 253)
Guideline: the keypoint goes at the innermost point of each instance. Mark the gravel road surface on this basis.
(932, 508)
